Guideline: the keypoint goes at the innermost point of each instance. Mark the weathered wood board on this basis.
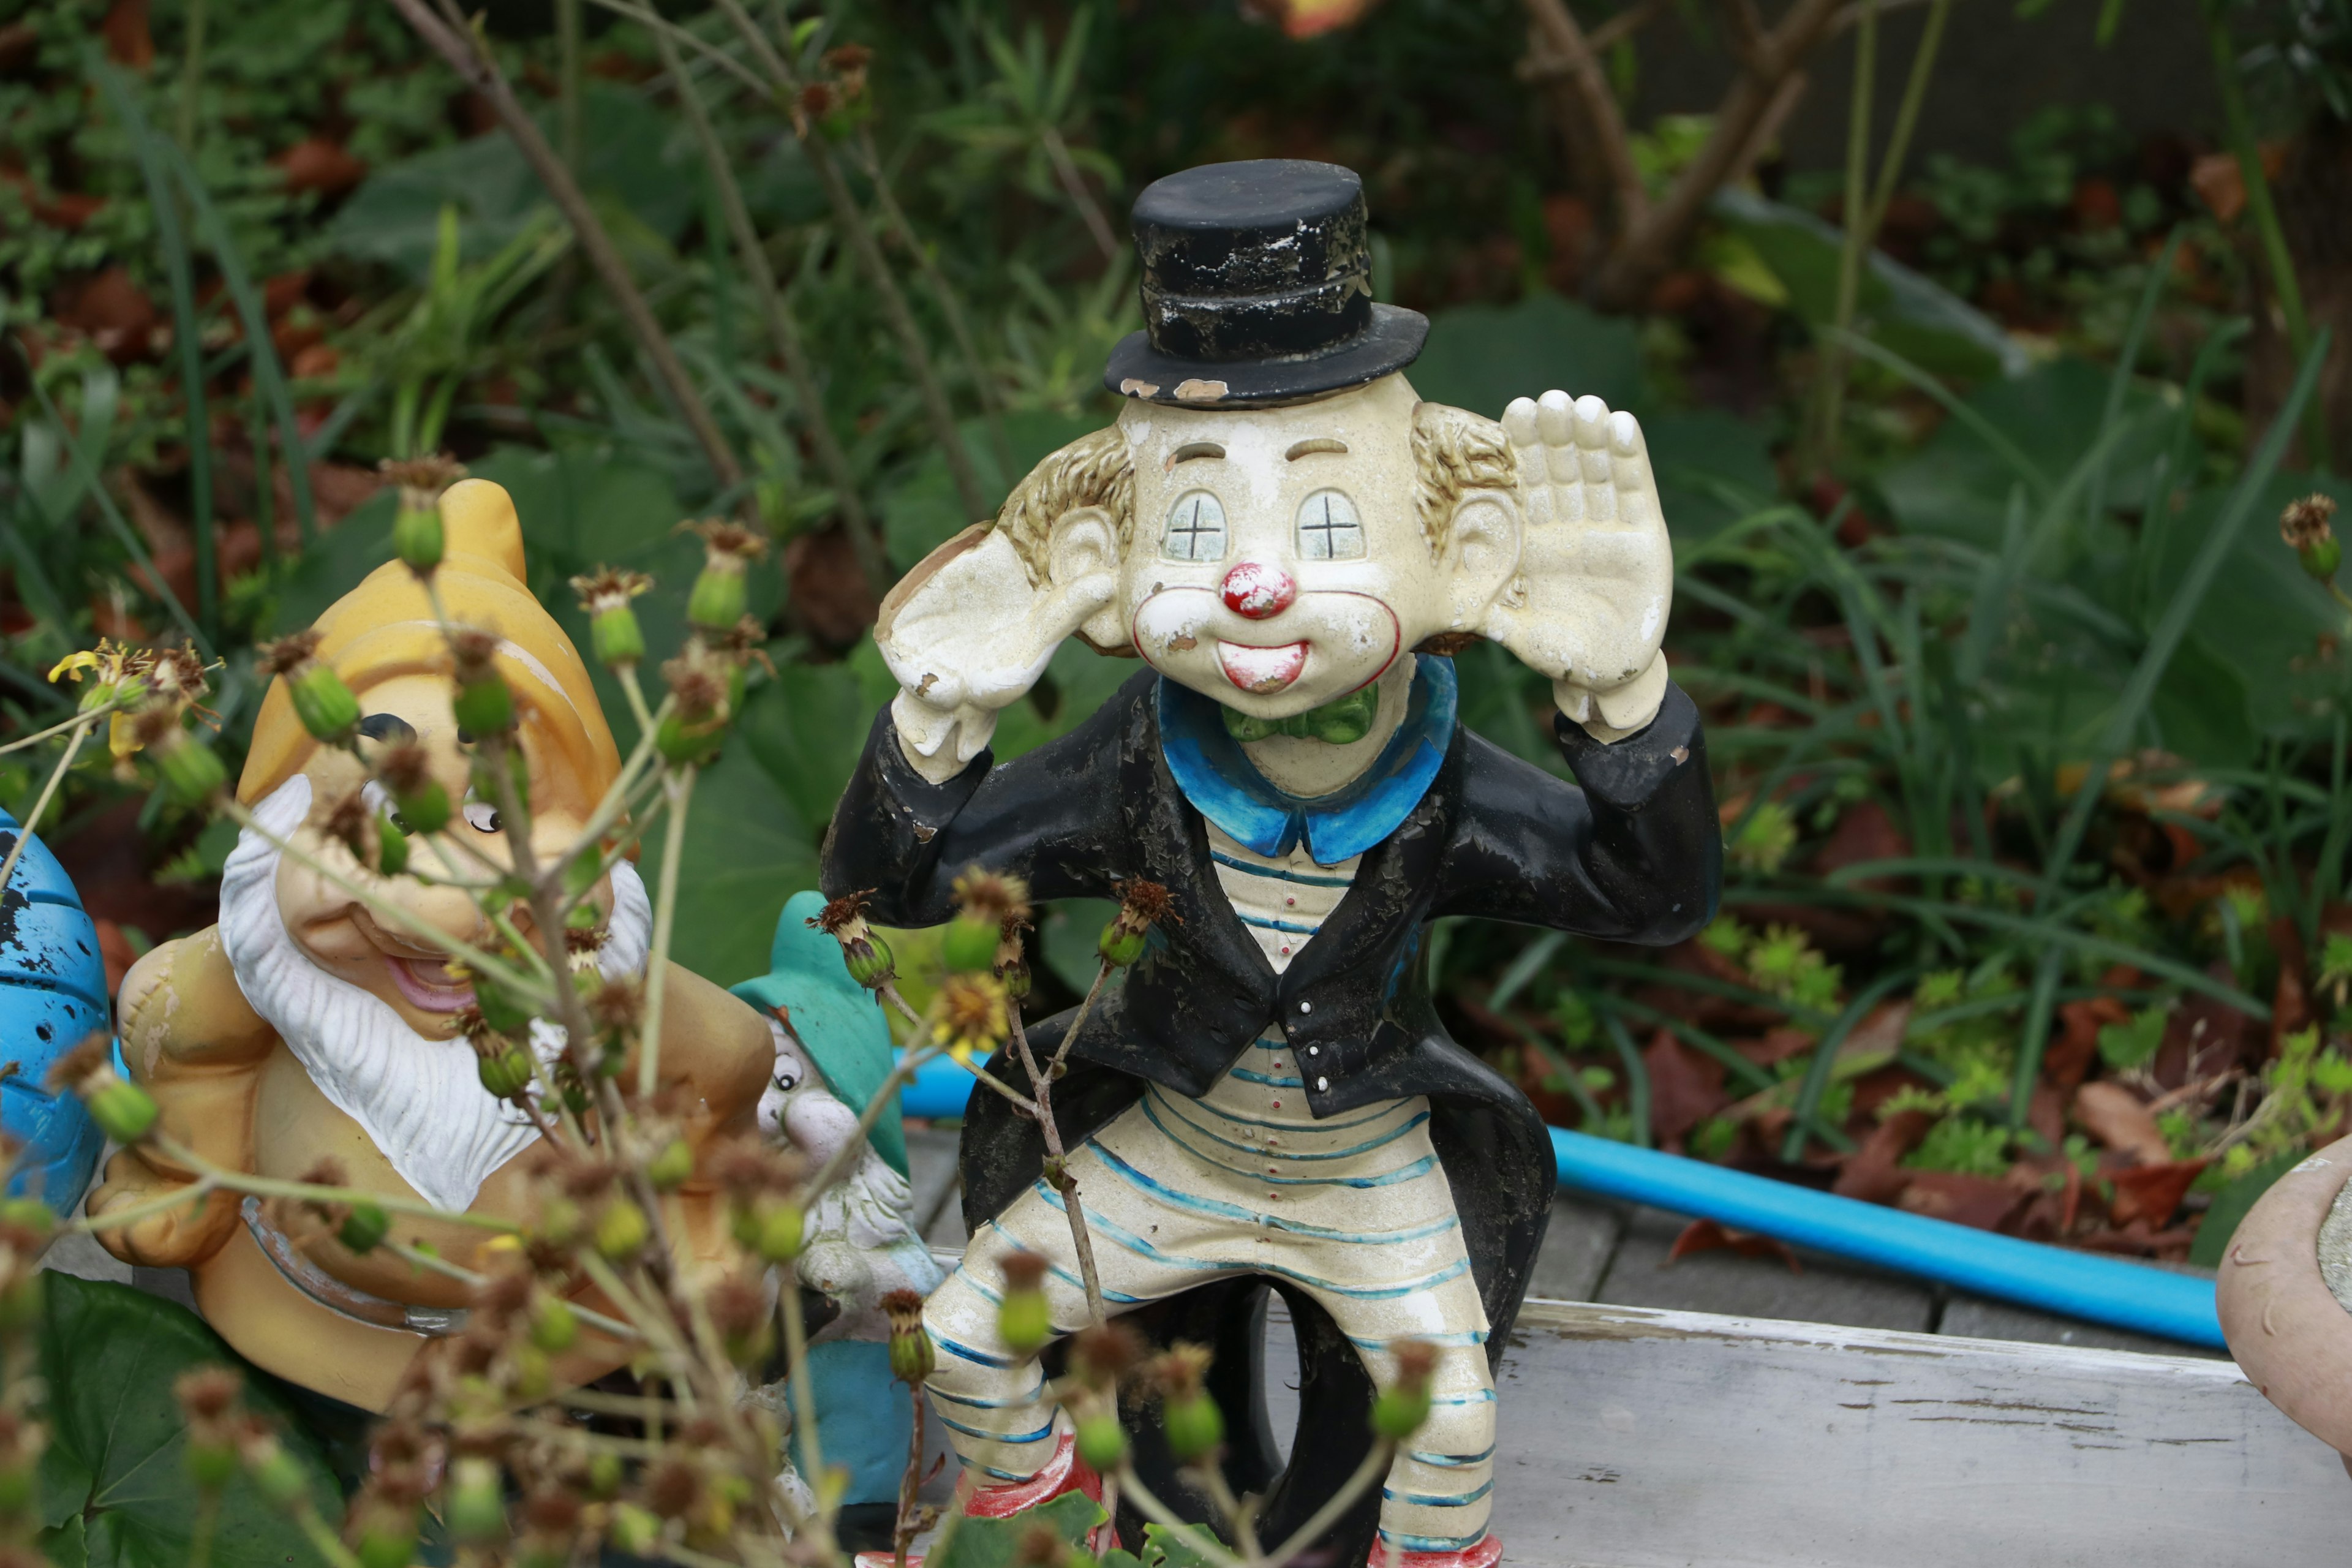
(1637, 1438)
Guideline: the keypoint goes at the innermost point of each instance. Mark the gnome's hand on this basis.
(1596, 569)
(967, 634)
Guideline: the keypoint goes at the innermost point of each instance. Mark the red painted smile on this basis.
(1262, 669)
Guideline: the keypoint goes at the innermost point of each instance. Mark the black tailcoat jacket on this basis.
(1630, 852)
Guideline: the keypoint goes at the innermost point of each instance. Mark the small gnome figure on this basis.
(833, 1056)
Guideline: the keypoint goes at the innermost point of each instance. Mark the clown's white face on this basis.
(1278, 559)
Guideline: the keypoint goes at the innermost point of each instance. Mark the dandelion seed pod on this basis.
(621, 1231)
(616, 637)
(192, 773)
(426, 808)
(123, 1111)
(689, 743)
(477, 1509)
(390, 848)
(505, 1073)
(364, 1229)
(276, 1475)
(323, 703)
(386, 1546)
(1102, 1441)
(912, 1355)
(534, 1379)
(781, 1233)
(1195, 1426)
(605, 1473)
(2321, 558)
(717, 599)
(484, 706)
(968, 945)
(210, 1464)
(635, 1530)
(1025, 1321)
(870, 963)
(1120, 945)
(553, 1325)
(1399, 1411)
(671, 1167)
(417, 537)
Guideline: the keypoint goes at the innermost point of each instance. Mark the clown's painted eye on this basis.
(482, 817)
(1196, 529)
(1328, 528)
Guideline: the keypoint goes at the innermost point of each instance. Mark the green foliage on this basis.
(1765, 838)
(2126, 1046)
(1965, 1144)
(115, 1491)
(996, 1542)
(1479, 357)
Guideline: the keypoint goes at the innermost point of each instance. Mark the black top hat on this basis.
(1257, 290)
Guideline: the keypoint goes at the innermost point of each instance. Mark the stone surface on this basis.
(1584, 1236)
(931, 1169)
(1973, 1317)
(1822, 1289)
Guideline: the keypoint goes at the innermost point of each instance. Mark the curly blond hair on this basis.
(1454, 453)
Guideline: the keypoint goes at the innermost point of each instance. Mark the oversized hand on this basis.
(967, 635)
(1596, 570)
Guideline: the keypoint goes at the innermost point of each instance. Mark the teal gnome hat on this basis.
(839, 1021)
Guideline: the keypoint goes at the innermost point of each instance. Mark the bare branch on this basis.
(1580, 76)
(484, 76)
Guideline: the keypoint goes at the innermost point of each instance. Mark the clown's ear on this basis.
(1082, 563)
(477, 519)
(1588, 605)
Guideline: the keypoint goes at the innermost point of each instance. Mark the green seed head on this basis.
(553, 1325)
(1120, 946)
(671, 1167)
(417, 537)
(2321, 560)
(276, 1475)
(477, 1509)
(616, 637)
(1102, 1441)
(364, 1229)
(123, 1111)
(781, 1233)
(484, 706)
(210, 1465)
(323, 703)
(390, 848)
(1194, 1427)
(505, 1073)
(192, 773)
(1025, 1321)
(968, 945)
(622, 1231)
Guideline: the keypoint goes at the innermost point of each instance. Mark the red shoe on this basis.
(1064, 1472)
(1485, 1553)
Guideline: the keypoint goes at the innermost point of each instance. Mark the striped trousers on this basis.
(1355, 1212)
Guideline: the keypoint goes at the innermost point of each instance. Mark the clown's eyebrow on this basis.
(1315, 444)
(388, 727)
(1192, 450)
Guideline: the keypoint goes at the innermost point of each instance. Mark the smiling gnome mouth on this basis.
(428, 986)
(1262, 669)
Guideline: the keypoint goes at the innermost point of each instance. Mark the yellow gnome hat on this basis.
(385, 627)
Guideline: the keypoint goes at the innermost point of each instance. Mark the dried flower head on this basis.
(904, 1308)
(972, 1016)
(1178, 1371)
(1143, 904)
(725, 542)
(473, 650)
(92, 1059)
(1103, 1352)
(1415, 1361)
(844, 59)
(671, 1488)
(745, 641)
(178, 673)
(844, 917)
(999, 897)
(1023, 1270)
(289, 654)
(2307, 522)
(207, 1393)
(552, 1511)
(420, 479)
(352, 825)
(700, 690)
(609, 587)
(505, 1293)
(816, 100)
(404, 768)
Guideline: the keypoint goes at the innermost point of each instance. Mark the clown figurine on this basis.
(306, 1028)
(1292, 542)
(831, 1057)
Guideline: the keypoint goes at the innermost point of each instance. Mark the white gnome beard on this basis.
(419, 1099)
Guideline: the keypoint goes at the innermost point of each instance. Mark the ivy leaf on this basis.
(996, 1542)
(1177, 1549)
(115, 1491)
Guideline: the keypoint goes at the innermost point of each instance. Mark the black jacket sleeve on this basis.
(1633, 851)
(1050, 817)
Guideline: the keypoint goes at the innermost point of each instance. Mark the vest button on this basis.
(1307, 1007)
(1322, 1083)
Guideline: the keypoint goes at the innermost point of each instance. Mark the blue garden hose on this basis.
(2178, 1307)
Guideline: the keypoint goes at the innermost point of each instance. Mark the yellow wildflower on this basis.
(971, 1016)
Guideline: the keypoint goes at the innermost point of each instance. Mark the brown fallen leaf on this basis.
(1685, 1088)
(2118, 1118)
(2152, 1193)
(1706, 1236)
(1980, 1202)
(2068, 1060)
(319, 164)
(1874, 1172)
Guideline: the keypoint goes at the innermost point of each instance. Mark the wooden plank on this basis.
(1635, 1438)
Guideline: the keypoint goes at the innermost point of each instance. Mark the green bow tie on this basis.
(1341, 721)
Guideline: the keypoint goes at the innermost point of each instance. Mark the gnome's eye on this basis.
(482, 817)
(788, 1078)
(1328, 528)
(1196, 529)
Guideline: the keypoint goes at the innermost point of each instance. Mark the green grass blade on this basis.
(2002, 447)
(1817, 1072)
(187, 336)
(1637, 1077)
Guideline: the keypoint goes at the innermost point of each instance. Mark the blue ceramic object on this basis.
(52, 996)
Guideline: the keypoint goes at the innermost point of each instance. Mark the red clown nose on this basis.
(1257, 590)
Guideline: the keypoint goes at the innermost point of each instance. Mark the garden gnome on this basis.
(306, 1028)
(1291, 541)
(833, 1056)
